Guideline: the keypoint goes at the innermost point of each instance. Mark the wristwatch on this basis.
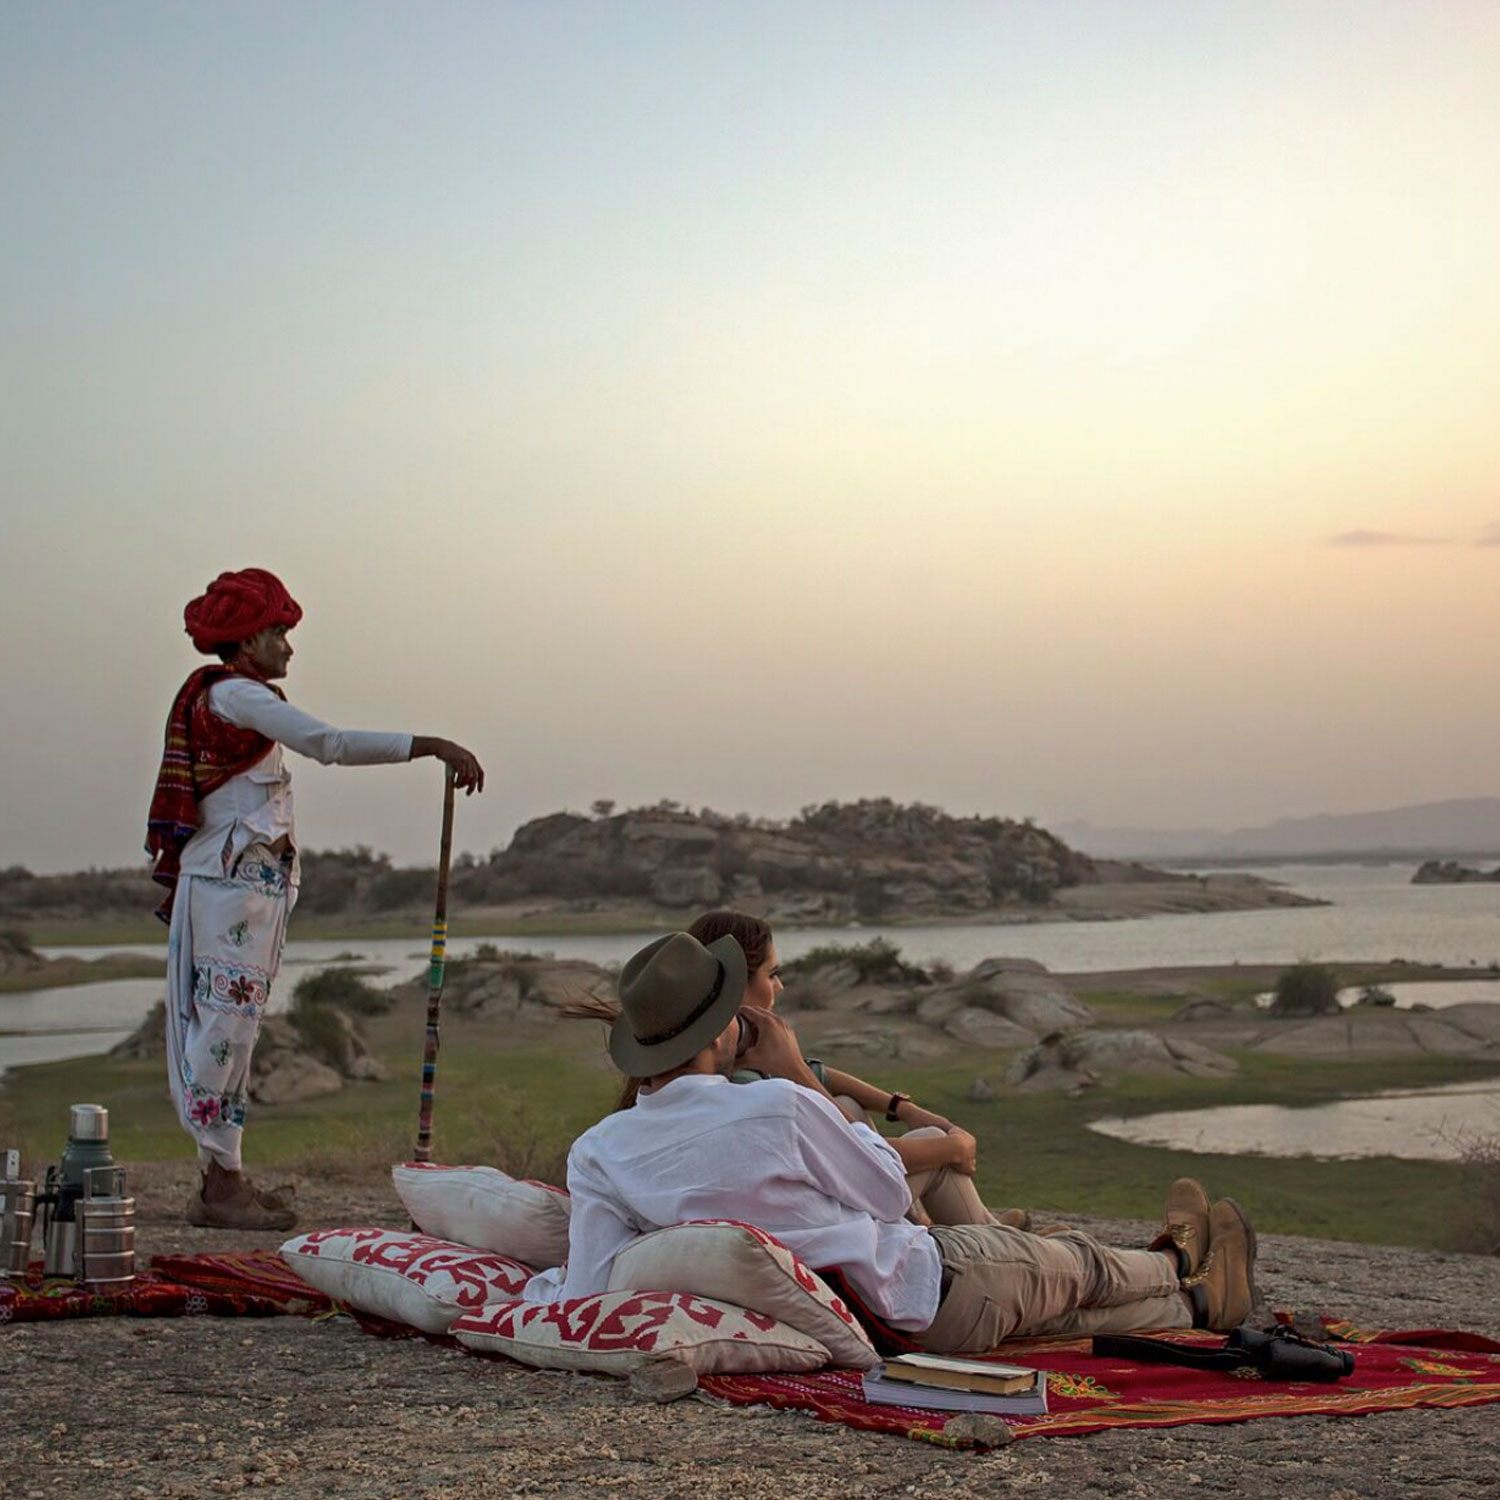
(897, 1100)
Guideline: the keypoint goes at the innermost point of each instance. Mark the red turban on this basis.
(237, 605)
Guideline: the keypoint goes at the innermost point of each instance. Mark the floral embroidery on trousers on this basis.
(223, 953)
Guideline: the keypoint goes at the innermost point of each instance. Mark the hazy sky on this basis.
(1081, 410)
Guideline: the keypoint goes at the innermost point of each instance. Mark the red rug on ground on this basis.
(1086, 1393)
(253, 1283)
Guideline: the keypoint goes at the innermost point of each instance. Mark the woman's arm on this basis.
(878, 1100)
(955, 1148)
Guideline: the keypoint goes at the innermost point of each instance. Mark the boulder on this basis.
(882, 1041)
(17, 956)
(149, 1039)
(292, 1077)
(696, 885)
(1476, 1018)
(1372, 1032)
(1203, 1010)
(1078, 1058)
(983, 1028)
(937, 1009)
(1024, 993)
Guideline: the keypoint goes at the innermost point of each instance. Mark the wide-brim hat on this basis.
(676, 996)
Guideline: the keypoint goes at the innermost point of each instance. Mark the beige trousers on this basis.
(946, 1196)
(1004, 1283)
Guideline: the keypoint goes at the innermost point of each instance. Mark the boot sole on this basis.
(1252, 1250)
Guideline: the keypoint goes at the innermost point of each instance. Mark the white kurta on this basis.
(234, 894)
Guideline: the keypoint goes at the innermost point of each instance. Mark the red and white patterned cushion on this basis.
(742, 1265)
(614, 1333)
(482, 1206)
(409, 1278)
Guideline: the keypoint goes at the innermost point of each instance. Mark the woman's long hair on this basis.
(752, 934)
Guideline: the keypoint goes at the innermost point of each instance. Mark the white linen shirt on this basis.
(255, 807)
(771, 1154)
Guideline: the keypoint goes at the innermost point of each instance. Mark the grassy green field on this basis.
(516, 1098)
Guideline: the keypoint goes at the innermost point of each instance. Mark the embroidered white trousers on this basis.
(223, 952)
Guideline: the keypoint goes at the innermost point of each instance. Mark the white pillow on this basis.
(481, 1206)
(614, 1333)
(409, 1278)
(739, 1264)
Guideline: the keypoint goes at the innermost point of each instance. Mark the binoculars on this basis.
(1280, 1353)
(1283, 1354)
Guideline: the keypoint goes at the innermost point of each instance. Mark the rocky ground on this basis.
(176, 1408)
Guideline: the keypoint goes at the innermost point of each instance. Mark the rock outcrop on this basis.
(1450, 872)
(17, 956)
(1081, 1058)
(874, 860)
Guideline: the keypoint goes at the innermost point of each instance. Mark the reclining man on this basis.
(780, 1155)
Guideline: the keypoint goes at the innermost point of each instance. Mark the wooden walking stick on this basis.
(436, 963)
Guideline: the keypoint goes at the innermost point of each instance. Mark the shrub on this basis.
(877, 962)
(323, 1031)
(397, 888)
(1306, 989)
(338, 989)
(1476, 1223)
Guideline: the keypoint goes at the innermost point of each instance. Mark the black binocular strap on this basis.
(1165, 1352)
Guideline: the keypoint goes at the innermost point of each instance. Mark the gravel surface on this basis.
(205, 1406)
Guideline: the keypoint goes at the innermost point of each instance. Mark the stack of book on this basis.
(937, 1382)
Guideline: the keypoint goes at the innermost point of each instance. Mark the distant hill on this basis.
(1466, 825)
(870, 860)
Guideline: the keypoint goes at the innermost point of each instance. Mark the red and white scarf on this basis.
(201, 752)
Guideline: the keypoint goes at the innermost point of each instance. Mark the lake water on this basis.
(1377, 914)
(1420, 1125)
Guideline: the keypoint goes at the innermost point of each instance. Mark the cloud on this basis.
(1394, 539)
(1491, 536)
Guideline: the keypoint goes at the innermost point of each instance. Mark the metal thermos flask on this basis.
(87, 1151)
(17, 1210)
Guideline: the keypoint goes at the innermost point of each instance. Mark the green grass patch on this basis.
(515, 1095)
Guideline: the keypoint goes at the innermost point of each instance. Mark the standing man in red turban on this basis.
(220, 830)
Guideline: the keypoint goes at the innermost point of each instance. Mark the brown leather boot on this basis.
(1222, 1290)
(238, 1213)
(1013, 1218)
(283, 1195)
(1185, 1230)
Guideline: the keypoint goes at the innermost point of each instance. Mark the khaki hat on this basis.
(676, 996)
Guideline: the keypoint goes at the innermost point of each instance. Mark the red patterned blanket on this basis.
(253, 1283)
(1086, 1393)
(1089, 1393)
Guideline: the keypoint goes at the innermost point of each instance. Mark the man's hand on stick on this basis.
(468, 774)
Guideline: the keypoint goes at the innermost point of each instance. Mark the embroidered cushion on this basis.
(409, 1278)
(481, 1206)
(614, 1333)
(739, 1264)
